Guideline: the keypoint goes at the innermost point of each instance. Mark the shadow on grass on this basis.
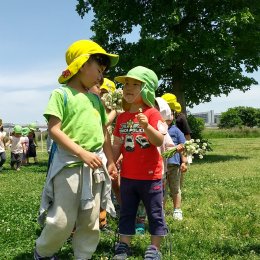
(24, 256)
(40, 167)
(210, 158)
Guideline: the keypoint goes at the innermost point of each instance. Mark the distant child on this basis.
(176, 165)
(17, 148)
(31, 152)
(138, 132)
(25, 132)
(2, 145)
(78, 182)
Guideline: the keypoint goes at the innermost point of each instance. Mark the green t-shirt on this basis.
(82, 116)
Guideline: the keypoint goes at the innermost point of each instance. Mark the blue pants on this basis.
(151, 193)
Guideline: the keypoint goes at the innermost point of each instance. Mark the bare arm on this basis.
(117, 147)
(184, 162)
(187, 137)
(111, 117)
(111, 167)
(91, 159)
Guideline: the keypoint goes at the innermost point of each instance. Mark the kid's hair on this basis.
(100, 59)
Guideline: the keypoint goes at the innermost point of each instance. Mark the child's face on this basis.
(132, 91)
(91, 73)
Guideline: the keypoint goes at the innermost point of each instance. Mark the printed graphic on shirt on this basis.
(133, 135)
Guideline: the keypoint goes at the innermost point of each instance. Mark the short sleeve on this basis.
(55, 106)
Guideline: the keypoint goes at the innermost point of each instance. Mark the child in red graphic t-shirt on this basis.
(138, 132)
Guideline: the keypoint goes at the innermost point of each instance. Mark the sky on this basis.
(34, 38)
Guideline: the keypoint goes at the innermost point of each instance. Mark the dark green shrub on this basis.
(240, 116)
(230, 119)
(197, 125)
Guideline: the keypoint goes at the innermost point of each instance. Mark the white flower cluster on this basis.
(190, 148)
(113, 100)
(195, 147)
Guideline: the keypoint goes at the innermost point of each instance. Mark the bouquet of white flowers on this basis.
(190, 148)
(113, 100)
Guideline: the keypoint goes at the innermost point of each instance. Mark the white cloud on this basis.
(24, 95)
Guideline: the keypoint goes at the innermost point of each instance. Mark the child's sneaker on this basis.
(122, 251)
(139, 228)
(152, 253)
(18, 169)
(38, 257)
(177, 214)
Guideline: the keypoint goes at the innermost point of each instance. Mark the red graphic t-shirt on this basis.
(141, 159)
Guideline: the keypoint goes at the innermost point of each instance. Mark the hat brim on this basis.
(121, 79)
(74, 67)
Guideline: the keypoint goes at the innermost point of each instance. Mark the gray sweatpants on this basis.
(65, 213)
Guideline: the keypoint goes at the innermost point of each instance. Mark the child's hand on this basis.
(142, 120)
(92, 160)
(183, 167)
(180, 148)
(112, 170)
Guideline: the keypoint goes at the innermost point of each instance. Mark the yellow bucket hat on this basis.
(78, 53)
(170, 99)
(177, 107)
(109, 85)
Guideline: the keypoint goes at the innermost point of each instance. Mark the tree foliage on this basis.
(197, 125)
(240, 116)
(196, 47)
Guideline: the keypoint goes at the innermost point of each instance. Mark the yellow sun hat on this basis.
(109, 85)
(170, 99)
(177, 107)
(78, 53)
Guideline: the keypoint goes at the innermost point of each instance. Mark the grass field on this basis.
(220, 205)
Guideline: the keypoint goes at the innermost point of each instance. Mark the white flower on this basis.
(191, 147)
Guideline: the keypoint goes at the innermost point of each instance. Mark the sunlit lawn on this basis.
(220, 206)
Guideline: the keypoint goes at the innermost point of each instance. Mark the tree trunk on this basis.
(178, 91)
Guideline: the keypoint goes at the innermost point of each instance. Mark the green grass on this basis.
(220, 205)
(243, 132)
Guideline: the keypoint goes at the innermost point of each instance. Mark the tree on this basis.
(240, 116)
(196, 47)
